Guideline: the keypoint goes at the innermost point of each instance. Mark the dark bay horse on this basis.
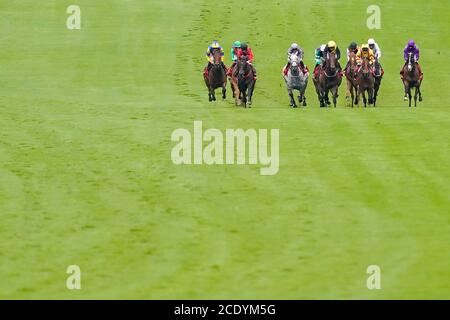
(411, 79)
(216, 77)
(329, 79)
(350, 74)
(245, 80)
(366, 81)
(378, 78)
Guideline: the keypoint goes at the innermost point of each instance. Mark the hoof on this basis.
(420, 99)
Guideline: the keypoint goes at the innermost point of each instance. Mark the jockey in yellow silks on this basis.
(365, 52)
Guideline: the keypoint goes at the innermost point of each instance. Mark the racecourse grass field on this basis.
(86, 177)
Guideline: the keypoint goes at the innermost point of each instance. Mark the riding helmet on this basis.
(332, 45)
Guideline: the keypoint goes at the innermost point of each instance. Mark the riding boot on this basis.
(286, 69)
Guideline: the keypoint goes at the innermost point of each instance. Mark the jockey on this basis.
(411, 47)
(209, 55)
(245, 50)
(365, 52)
(294, 49)
(373, 45)
(353, 47)
(318, 58)
(333, 48)
(234, 56)
(375, 48)
(321, 53)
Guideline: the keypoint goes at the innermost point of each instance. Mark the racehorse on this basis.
(366, 82)
(378, 78)
(350, 73)
(296, 79)
(411, 79)
(245, 80)
(329, 79)
(216, 77)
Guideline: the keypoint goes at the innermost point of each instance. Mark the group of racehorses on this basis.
(362, 78)
(242, 80)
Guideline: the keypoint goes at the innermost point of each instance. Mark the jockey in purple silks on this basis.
(411, 47)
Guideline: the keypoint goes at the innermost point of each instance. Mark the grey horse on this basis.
(296, 79)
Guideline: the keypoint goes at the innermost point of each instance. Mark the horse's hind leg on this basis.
(420, 94)
(416, 93)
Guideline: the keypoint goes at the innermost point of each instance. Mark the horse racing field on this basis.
(86, 176)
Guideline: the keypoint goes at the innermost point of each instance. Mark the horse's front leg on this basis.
(358, 96)
(335, 95)
(224, 89)
(409, 96)
(364, 98)
(352, 89)
(370, 93)
(406, 85)
(303, 96)
(291, 97)
(250, 92)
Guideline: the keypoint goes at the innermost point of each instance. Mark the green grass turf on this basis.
(86, 176)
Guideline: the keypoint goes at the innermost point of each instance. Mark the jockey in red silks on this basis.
(411, 47)
(245, 50)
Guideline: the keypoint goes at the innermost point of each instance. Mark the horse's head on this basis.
(410, 62)
(365, 66)
(217, 58)
(331, 61)
(242, 66)
(294, 60)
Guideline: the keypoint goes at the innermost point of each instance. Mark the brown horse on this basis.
(216, 77)
(366, 82)
(329, 79)
(411, 79)
(350, 73)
